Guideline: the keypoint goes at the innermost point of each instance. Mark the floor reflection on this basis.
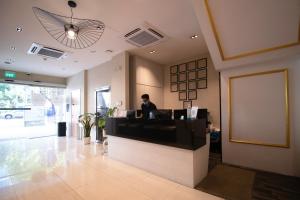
(53, 168)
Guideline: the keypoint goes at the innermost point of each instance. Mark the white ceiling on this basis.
(175, 18)
(247, 32)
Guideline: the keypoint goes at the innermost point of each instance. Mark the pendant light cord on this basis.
(71, 16)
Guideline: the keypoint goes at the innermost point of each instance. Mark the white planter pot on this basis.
(86, 140)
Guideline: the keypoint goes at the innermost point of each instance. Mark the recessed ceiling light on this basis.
(93, 51)
(108, 51)
(194, 36)
(153, 51)
(19, 29)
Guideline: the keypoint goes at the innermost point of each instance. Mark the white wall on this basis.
(206, 98)
(274, 159)
(120, 80)
(146, 77)
(112, 73)
(76, 82)
(97, 77)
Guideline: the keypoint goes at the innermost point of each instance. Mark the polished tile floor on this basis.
(54, 168)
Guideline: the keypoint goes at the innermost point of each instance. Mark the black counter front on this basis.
(185, 134)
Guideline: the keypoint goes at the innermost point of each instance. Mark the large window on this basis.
(30, 111)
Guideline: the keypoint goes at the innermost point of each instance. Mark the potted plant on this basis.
(88, 121)
(102, 121)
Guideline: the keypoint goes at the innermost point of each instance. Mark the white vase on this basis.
(104, 133)
(86, 140)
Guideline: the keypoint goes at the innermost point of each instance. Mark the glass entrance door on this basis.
(30, 111)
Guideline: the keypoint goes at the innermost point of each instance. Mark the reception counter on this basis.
(174, 149)
(185, 134)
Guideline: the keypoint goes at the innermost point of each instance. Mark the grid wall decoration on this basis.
(187, 78)
(187, 104)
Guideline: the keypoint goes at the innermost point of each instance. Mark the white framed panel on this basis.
(258, 108)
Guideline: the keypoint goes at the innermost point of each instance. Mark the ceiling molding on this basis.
(245, 54)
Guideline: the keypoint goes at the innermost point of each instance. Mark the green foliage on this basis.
(4, 87)
(109, 113)
(11, 96)
(88, 121)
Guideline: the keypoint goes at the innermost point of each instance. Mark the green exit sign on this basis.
(9, 74)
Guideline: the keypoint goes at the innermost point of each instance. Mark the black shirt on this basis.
(147, 108)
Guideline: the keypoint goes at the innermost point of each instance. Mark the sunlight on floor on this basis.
(64, 168)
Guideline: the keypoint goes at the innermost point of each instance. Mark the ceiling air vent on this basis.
(144, 35)
(47, 52)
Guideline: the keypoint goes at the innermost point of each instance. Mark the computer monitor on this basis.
(163, 114)
(130, 114)
(138, 113)
(202, 114)
(179, 113)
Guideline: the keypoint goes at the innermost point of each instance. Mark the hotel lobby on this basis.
(154, 100)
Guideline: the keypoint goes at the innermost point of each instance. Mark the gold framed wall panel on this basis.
(286, 107)
(241, 55)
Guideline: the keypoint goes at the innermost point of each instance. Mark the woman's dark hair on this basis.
(145, 96)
